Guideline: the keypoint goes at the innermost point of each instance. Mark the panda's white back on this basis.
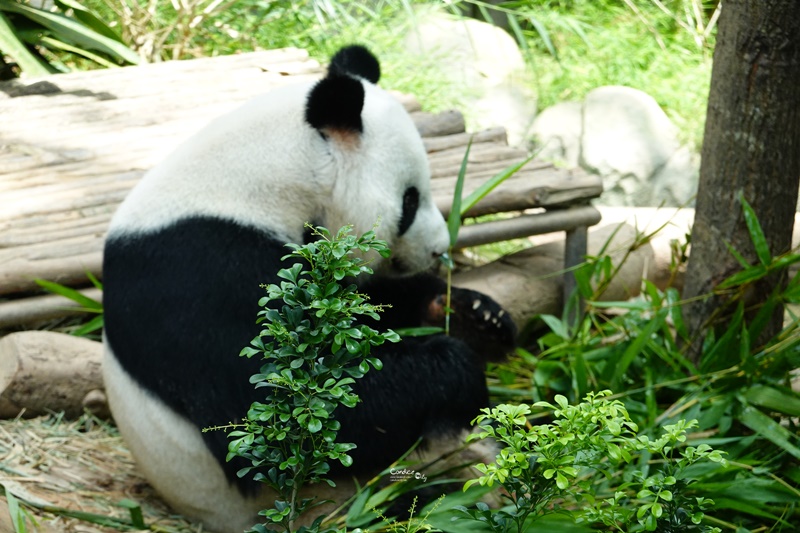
(242, 166)
(264, 166)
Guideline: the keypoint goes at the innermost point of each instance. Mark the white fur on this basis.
(264, 166)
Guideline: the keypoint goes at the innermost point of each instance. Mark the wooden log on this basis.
(491, 152)
(548, 187)
(456, 140)
(44, 371)
(69, 268)
(529, 283)
(131, 80)
(39, 308)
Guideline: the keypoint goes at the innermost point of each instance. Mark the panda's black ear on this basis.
(334, 105)
(355, 60)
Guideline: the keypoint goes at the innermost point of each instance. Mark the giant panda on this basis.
(188, 249)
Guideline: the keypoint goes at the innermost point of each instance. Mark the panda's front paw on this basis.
(477, 320)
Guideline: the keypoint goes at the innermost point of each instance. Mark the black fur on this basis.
(356, 60)
(181, 302)
(335, 103)
(410, 208)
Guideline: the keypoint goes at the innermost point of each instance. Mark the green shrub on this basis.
(313, 352)
(559, 467)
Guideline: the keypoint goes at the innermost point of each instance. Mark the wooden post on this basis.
(574, 253)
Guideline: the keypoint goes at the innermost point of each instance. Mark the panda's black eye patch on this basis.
(410, 206)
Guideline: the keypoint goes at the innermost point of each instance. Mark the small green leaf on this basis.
(756, 233)
(454, 218)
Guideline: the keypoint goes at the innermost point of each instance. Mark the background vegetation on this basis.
(740, 391)
(662, 47)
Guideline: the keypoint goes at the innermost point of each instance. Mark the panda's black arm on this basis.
(407, 299)
(420, 300)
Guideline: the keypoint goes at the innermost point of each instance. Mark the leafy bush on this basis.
(555, 467)
(313, 351)
(740, 392)
(40, 40)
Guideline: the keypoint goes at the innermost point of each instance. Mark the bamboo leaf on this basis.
(15, 511)
(88, 18)
(769, 429)
(72, 30)
(135, 510)
(748, 275)
(781, 401)
(756, 233)
(728, 343)
(556, 325)
(454, 219)
(93, 325)
(52, 43)
(11, 45)
(635, 347)
(87, 303)
(96, 282)
(488, 186)
(739, 257)
(545, 36)
(419, 332)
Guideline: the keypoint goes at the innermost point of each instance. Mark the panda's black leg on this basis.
(430, 387)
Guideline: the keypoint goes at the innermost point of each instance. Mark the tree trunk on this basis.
(752, 146)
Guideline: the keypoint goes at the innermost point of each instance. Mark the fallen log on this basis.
(44, 371)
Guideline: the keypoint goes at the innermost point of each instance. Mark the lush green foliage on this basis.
(313, 352)
(740, 393)
(565, 466)
(661, 47)
(572, 46)
(42, 41)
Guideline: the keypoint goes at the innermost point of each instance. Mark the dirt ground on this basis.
(75, 477)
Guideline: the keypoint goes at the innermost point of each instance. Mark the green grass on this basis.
(606, 43)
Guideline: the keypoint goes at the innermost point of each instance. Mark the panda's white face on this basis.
(271, 166)
(384, 177)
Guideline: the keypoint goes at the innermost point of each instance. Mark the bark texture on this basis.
(751, 145)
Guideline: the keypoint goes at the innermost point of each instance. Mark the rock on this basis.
(623, 135)
(485, 62)
(44, 371)
(558, 133)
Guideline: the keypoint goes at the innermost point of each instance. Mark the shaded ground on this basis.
(58, 469)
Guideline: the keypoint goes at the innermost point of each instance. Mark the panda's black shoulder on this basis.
(355, 60)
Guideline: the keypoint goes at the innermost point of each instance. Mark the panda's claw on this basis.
(482, 323)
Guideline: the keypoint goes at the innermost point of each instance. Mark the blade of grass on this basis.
(88, 304)
(454, 219)
(478, 194)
